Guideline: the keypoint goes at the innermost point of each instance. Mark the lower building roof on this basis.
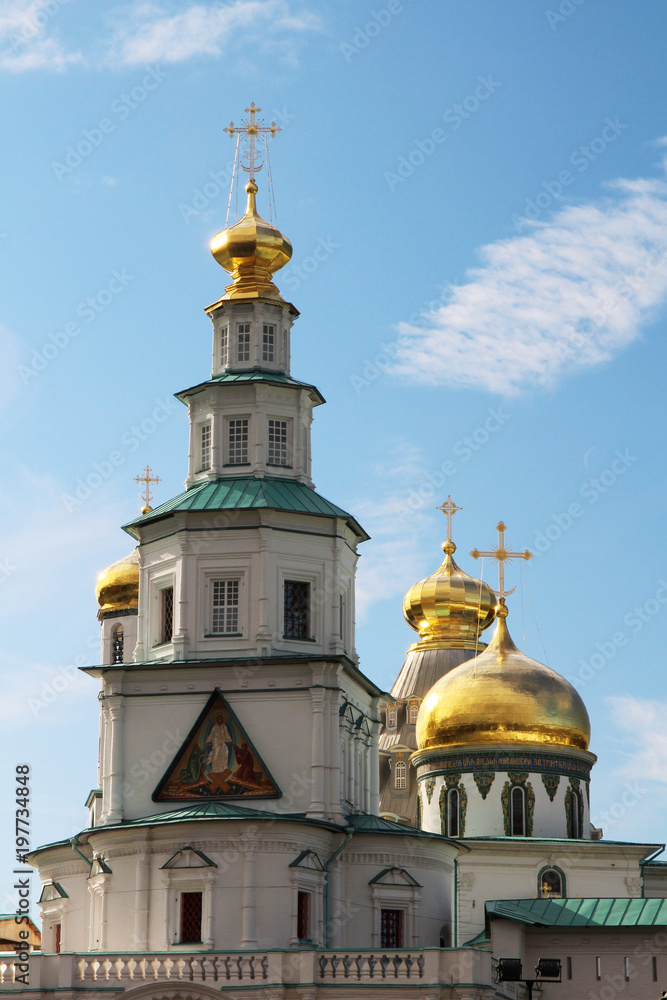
(594, 912)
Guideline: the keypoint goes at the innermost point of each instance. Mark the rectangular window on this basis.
(225, 610)
(598, 968)
(191, 917)
(654, 963)
(297, 609)
(238, 442)
(341, 617)
(205, 448)
(243, 341)
(224, 340)
(166, 614)
(57, 931)
(391, 928)
(268, 341)
(303, 916)
(569, 967)
(277, 442)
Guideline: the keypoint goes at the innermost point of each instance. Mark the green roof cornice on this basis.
(252, 375)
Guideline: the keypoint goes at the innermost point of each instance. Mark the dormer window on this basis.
(268, 342)
(391, 717)
(205, 447)
(413, 712)
(243, 341)
(400, 775)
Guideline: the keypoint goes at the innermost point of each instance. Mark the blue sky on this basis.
(485, 186)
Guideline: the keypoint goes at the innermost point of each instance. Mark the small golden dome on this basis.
(449, 609)
(251, 250)
(502, 696)
(117, 587)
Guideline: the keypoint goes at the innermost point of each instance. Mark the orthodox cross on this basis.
(147, 480)
(249, 129)
(501, 554)
(449, 508)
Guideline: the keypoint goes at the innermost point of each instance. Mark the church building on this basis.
(266, 819)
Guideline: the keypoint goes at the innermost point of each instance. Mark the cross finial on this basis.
(449, 508)
(249, 129)
(147, 479)
(502, 555)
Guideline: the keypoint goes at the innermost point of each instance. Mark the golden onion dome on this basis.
(251, 250)
(502, 696)
(449, 609)
(117, 587)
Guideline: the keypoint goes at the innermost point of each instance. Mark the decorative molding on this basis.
(429, 785)
(484, 780)
(536, 763)
(520, 779)
(551, 783)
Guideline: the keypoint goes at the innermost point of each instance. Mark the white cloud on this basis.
(570, 294)
(146, 33)
(25, 40)
(642, 724)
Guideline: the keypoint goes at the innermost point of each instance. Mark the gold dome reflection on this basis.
(117, 587)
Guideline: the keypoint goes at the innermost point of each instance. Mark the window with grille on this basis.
(391, 928)
(518, 804)
(224, 340)
(57, 932)
(413, 713)
(243, 341)
(205, 448)
(117, 644)
(277, 442)
(452, 813)
(268, 342)
(303, 916)
(225, 610)
(400, 775)
(296, 609)
(191, 907)
(238, 442)
(166, 614)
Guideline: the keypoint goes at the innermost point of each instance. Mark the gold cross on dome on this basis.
(147, 480)
(502, 555)
(449, 508)
(249, 129)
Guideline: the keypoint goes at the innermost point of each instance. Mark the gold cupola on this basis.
(117, 588)
(449, 609)
(252, 250)
(502, 696)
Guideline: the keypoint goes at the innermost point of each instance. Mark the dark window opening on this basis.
(167, 614)
(569, 967)
(518, 813)
(452, 813)
(57, 930)
(391, 928)
(303, 916)
(551, 884)
(297, 610)
(191, 907)
(117, 644)
(573, 830)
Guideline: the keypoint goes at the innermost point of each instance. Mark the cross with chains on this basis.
(502, 555)
(147, 480)
(250, 129)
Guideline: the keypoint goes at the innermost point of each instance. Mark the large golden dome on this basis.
(502, 696)
(449, 609)
(117, 587)
(251, 250)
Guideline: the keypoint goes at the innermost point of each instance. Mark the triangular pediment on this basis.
(189, 857)
(308, 859)
(394, 876)
(216, 761)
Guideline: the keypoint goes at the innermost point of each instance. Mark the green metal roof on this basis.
(582, 912)
(364, 823)
(247, 493)
(254, 375)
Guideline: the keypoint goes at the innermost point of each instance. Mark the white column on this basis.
(316, 808)
(141, 903)
(248, 939)
(264, 636)
(115, 804)
(374, 762)
(216, 443)
(180, 636)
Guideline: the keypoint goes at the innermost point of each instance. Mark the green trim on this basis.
(244, 376)
(593, 912)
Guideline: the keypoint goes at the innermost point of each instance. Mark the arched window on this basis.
(550, 884)
(413, 712)
(400, 775)
(518, 812)
(391, 717)
(117, 644)
(446, 936)
(452, 813)
(573, 826)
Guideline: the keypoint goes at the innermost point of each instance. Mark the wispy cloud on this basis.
(145, 33)
(641, 723)
(568, 295)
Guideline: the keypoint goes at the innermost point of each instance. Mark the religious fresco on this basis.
(216, 761)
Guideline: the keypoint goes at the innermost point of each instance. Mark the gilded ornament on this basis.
(429, 785)
(484, 780)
